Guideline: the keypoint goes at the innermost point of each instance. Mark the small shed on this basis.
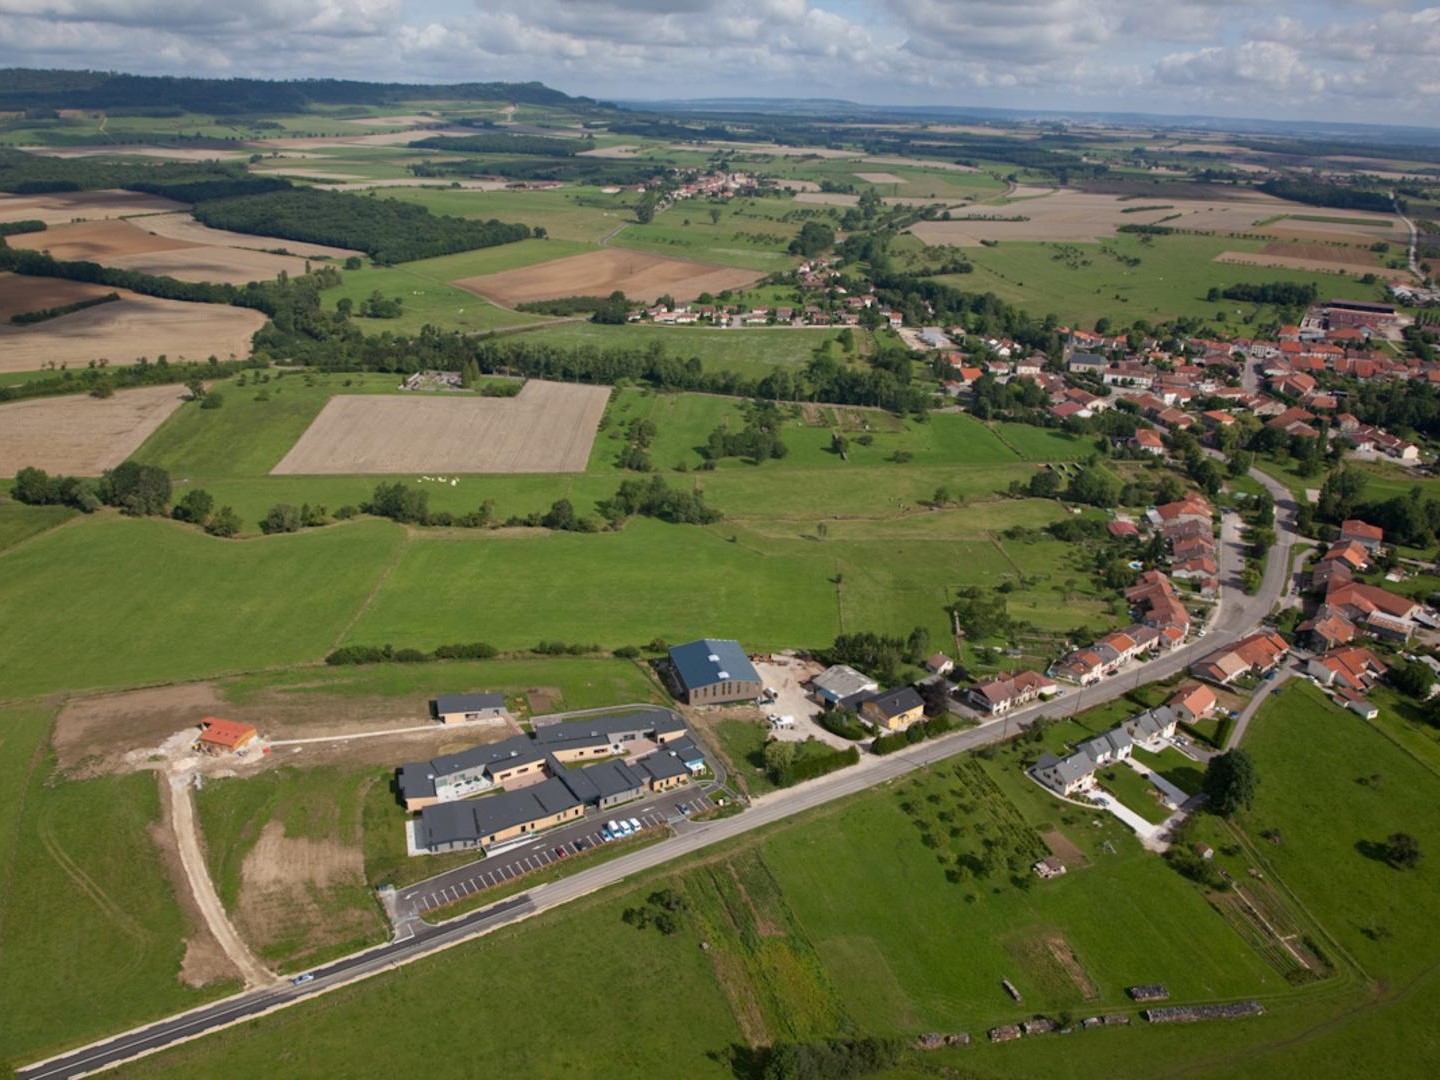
(219, 736)
(1049, 867)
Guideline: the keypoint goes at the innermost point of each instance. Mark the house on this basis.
(464, 708)
(1357, 704)
(893, 709)
(1354, 668)
(939, 664)
(1108, 747)
(842, 686)
(1194, 507)
(1368, 536)
(713, 671)
(1149, 441)
(1121, 529)
(1084, 666)
(1007, 692)
(1076, 772)
(219, 736)
(1258, 653)
(1152, 726)
(1346, 558)
(1359, 602)
(1328, 630)
(1192, 702)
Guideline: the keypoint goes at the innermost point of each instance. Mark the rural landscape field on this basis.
(897, 591)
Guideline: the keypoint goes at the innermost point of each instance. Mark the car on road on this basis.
(300, 980)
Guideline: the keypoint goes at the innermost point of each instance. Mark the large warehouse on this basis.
(711, 671)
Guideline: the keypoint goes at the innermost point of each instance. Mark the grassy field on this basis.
(19, 522)
(427, 299)
(91, 937)
(582, 215)
(176, 603)
(1080, 283)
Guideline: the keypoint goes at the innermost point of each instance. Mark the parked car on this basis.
(561, 853)
(635, 824)
(582, 844)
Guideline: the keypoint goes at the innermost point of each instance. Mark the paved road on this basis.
(1238, 615)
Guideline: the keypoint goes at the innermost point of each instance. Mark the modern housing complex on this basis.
(539, 780)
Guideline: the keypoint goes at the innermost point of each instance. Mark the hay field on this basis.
(638, 275)
(58, 207)
(186, 228)
(546, 428)
(124, 331)
(1338, 225)
(1086, 216)
(413, 120)
(20, 293)
(82, 435)
(1306, 257)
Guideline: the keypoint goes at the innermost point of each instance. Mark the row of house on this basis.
(538, 785)
(1161, 623)
(1258, 654)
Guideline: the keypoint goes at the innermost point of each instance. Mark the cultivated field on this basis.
(546, 428)
(58, 207)
(1078, 215)
(20, 293)
(78, 434)
(638, 275)
(124, 331)
(95, 241)
(226, 265)
(186, 228)
(1302, 262)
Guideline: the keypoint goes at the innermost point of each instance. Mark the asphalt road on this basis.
(1238, 614)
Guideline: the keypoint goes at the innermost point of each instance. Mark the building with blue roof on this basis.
(712, 671)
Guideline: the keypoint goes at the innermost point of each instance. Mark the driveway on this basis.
(1149, 834)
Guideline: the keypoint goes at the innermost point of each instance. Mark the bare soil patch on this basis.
(638, 275)
(622, 150)
(124, 331)
(1323, 253)
(56, 208)
(412, 120)
(185, 227)
(543, 699)
(95, 241)
(949, 166)
(827, 198)
(546, 428)
(227, 265)
(167, 153)
(20, 294)
(78, 434)
(1061, 847)
(1065, 956)
(1291, 262)
(880, 178)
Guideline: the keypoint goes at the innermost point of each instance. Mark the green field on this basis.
(428, 300)
(576, 214)
(91, 936)
(19, 522)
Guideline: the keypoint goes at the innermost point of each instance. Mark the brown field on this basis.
(950, 166)
(413, 120)
(1296, 262)
(880, 178)
(81, 435)
(638, 275)
(124, 331)
(1323, 253)
(168, 153)
(546, 428)
(227, 265)
(20, 294)
(186, 228)
(1088, 216)
(95, 241)
(1358, 229)
(59, 207)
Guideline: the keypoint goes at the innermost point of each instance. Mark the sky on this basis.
(1352, 60)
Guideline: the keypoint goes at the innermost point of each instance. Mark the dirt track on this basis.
(78, 434)
(547, 428)
(638, 275)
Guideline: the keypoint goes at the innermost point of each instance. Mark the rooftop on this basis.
(710, 661)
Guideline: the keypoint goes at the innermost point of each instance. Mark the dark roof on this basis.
(894, 702)
(417, 781)
(581, 784)
(605, 728)
(472, 819)
(710, 661)
(685, 749)
(662, 766)
(517, 748)
(614, 778)
(453, 703)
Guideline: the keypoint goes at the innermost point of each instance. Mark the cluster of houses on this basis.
(841, 686)
(1190, 540)
(1161, 623)
(530, 783)
(1350, 608)
(1075, 773)
(1256, 655)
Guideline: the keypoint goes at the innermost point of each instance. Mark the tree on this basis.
(1411, 678)
(35, 487)
(195, 388)
(1096, 486)
(1230, 782)
(136, 489)
(779, 758)
(814, 237)
(225, 523)
(1402, 851)
(282, 518)
(194, 507)
(1045, 484)
(918, 644)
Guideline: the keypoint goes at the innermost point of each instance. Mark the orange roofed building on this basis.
(218, 736)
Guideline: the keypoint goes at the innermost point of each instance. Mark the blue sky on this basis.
(1354, 60)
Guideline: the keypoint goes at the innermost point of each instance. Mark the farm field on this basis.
(599, 273)
(425, 299)
(19, 522)
(126, 330)
(574, 214)
(95, 241)
(546, 428)
(21, 294)
(60, 207)
(185, 227)
(81, 435)
(178, 604)
(1351, 261)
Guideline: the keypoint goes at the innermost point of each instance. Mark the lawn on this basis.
(1135, 791)
(91, 936)
(19, 522)
(113, 601)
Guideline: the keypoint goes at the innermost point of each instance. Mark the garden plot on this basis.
(81, 435)
(546, 428)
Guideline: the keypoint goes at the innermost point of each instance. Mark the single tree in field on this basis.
(1230, 782)
(1402, 851)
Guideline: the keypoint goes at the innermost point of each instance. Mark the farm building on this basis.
(463, 708)
(842, 685)
(711, 672)
(894, 709)
(219, 736)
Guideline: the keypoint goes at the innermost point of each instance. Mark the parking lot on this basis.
(545, 850)
(786, 676)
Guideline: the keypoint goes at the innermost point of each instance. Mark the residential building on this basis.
(464, 708)
(939, 664)
(712, 671)
(1152, 727)
(1192, 702)
(1352, 668)
(1370, 537)
(1007, 692)
(893, 709)
(1256, 654)
(1076, 772)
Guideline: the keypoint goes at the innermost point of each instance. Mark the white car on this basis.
(635, 824)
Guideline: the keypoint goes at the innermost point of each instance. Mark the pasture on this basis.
(126, 330)
(576, 214)
(546, 428)
(81, 435)
(639, 276)
(426, 299)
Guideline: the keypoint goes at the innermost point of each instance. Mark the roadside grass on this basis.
(326, 912)
(20, 522)
(121, 602)
(91, 935)
(742, 743)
